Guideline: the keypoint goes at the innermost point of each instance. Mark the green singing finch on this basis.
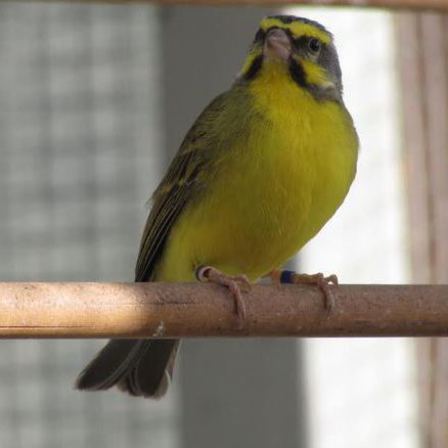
(263, 168)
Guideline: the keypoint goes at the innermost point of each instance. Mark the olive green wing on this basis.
(184, 179)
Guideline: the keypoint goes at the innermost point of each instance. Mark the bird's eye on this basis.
(314, 45)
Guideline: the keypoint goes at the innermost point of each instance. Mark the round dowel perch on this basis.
(120, 310)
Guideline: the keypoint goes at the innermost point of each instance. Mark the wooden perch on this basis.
(120, 310)
(440, 5)
(434, 5)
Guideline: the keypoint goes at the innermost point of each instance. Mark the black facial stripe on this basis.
(302, 41)
(297, 72)
(254, 68)
(259, 36)
(319, 94)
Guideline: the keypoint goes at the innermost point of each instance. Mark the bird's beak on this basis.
(277, 45)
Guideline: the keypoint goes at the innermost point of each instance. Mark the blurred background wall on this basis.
(363, 391)
(81, 150)
(94, 101)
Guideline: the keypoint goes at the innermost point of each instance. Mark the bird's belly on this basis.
(263, 213)
(256, 214)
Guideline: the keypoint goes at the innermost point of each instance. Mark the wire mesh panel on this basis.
(80, 154)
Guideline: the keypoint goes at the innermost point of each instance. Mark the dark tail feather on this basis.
(141, 367)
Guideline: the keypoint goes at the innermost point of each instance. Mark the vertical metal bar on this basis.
(234, 393)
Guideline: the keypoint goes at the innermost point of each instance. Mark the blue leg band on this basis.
(287, 276)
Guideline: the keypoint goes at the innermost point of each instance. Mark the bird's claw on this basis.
(321, 281)
(236, 284)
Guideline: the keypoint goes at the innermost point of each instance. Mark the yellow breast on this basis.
(274, 190)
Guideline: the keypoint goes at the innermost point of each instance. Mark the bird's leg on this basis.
(234, 283)
(322, 282)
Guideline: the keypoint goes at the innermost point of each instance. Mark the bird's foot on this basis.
(321, 281)
(236, 284)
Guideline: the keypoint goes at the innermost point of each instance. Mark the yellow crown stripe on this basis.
(297, 28)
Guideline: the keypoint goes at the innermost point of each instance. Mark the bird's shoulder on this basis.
(215, 130)
(220, 124)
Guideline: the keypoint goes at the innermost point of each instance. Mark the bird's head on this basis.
(299, 48)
